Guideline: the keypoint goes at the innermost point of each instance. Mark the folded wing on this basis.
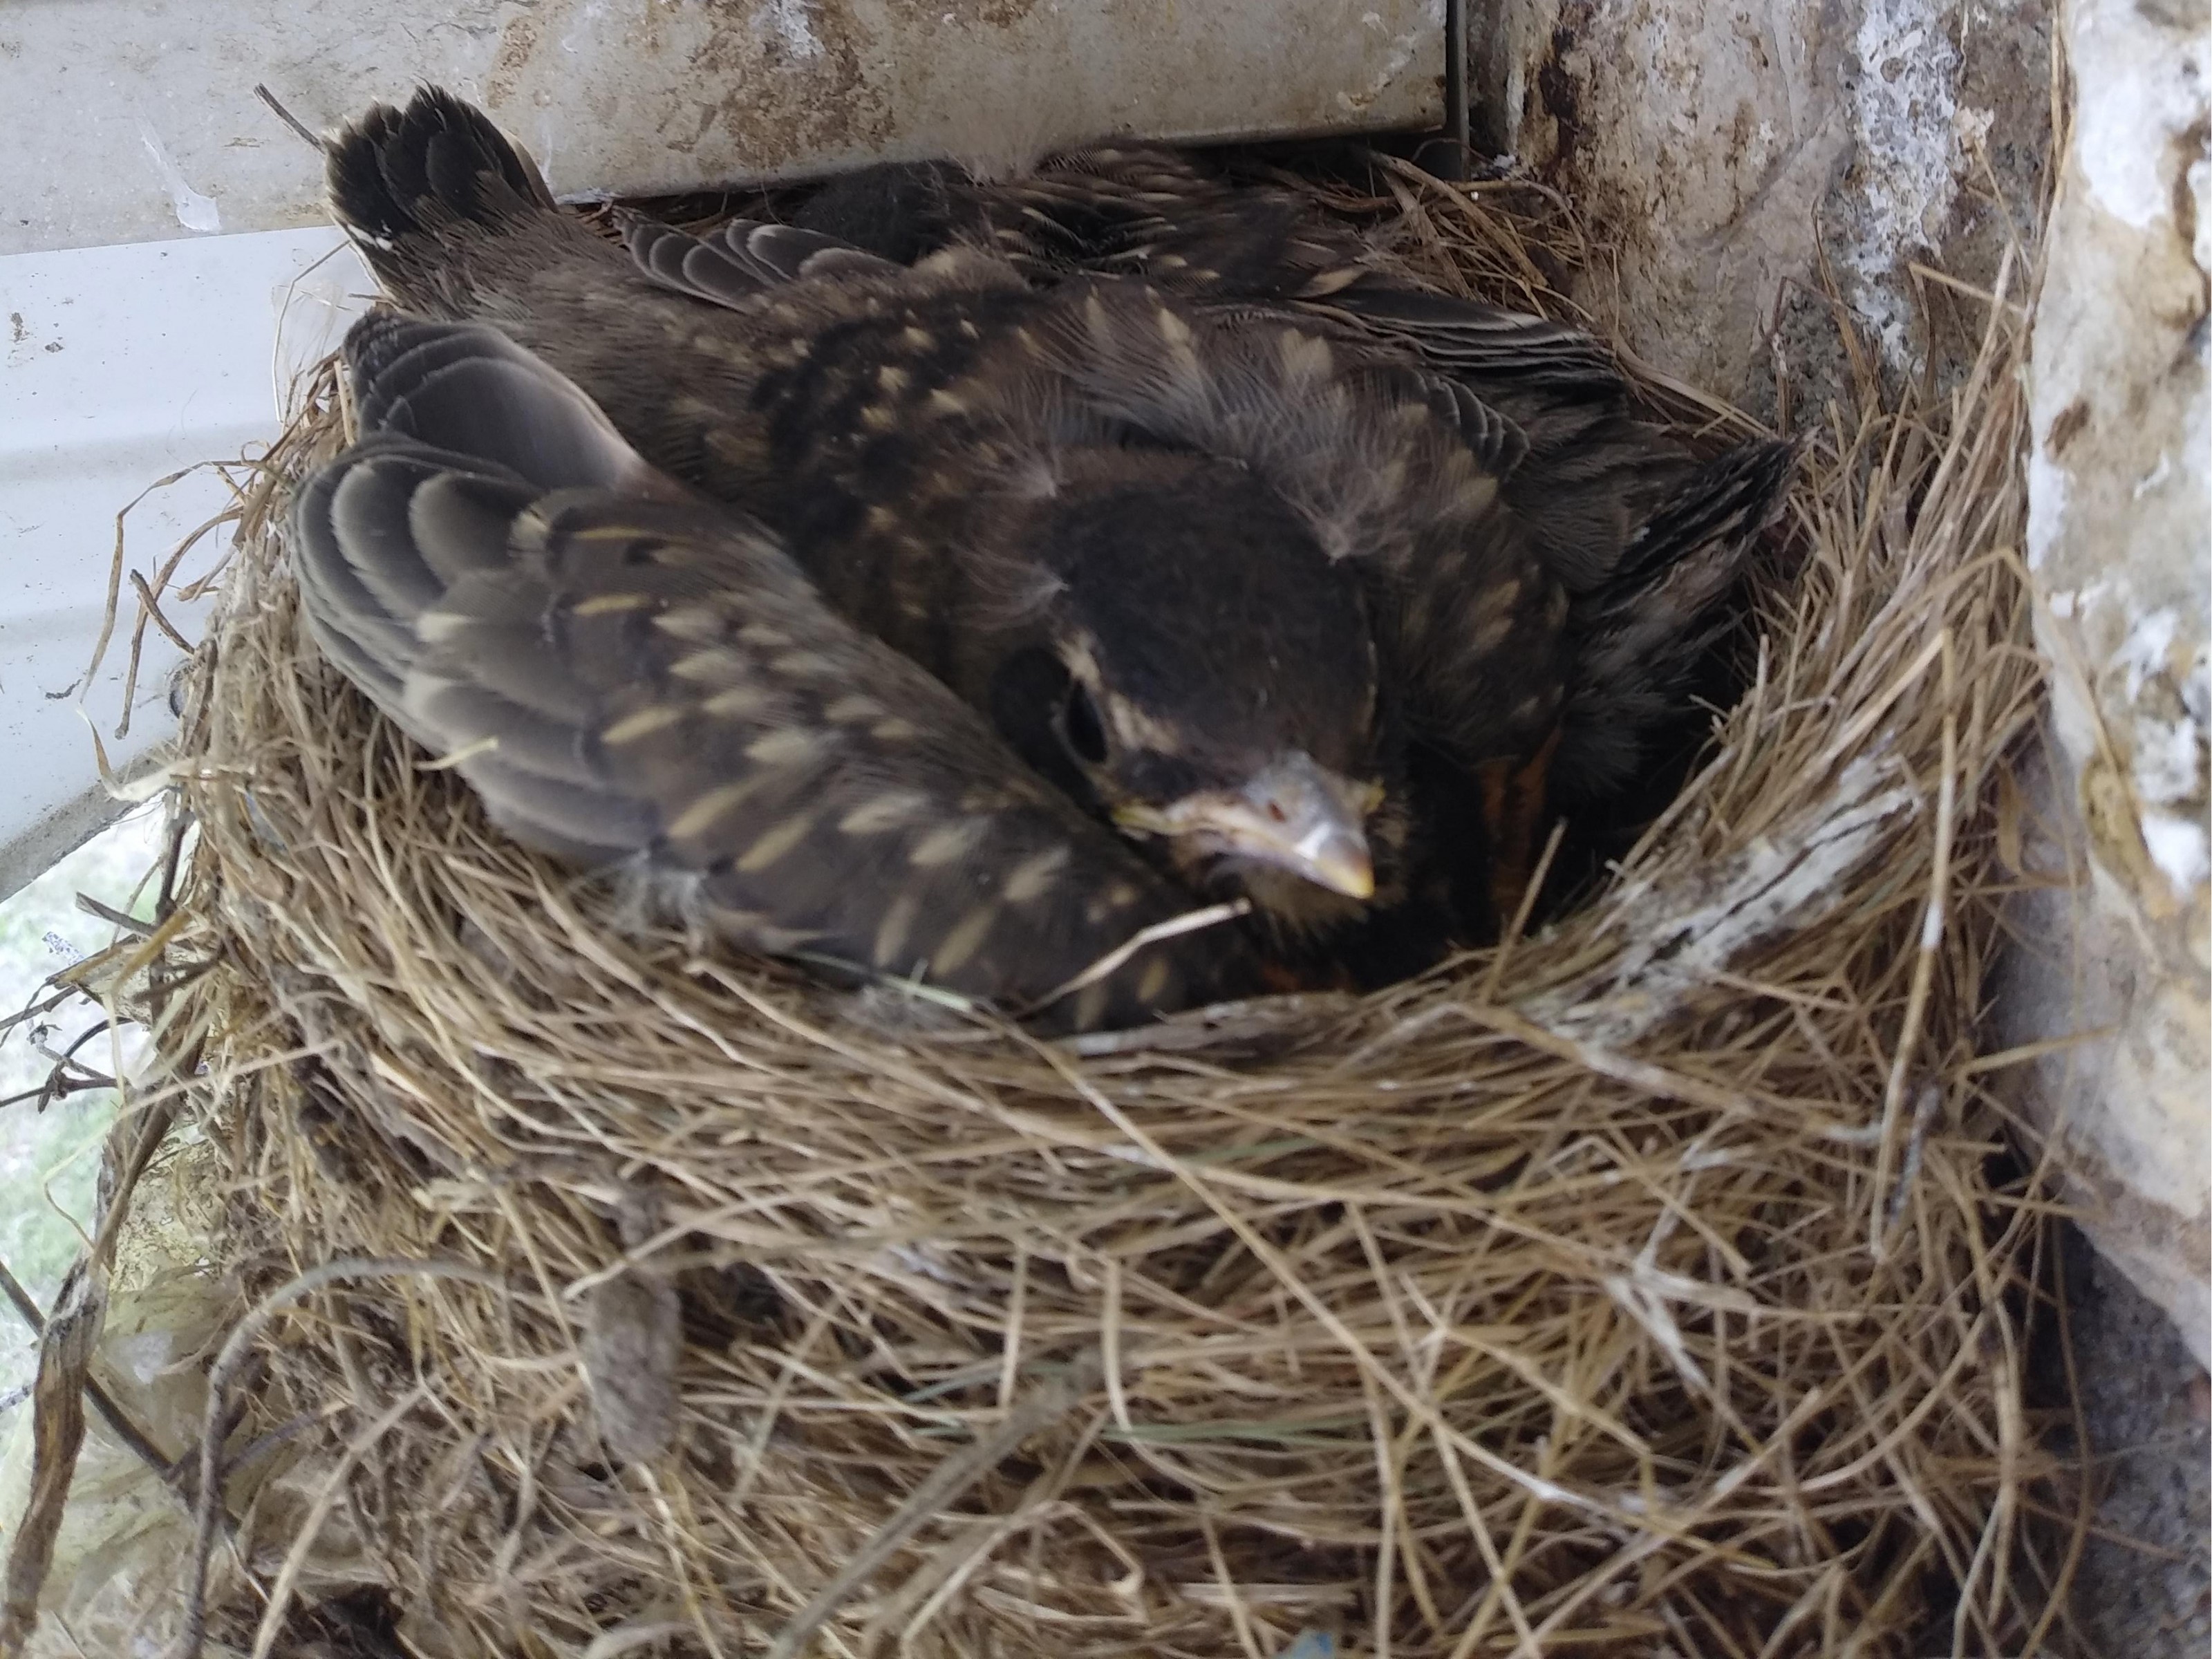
(634, 679)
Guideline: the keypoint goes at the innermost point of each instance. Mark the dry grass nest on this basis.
(1655, 1283)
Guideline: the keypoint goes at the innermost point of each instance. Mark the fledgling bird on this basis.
(1325, 586)
(643, 682)
(1213, 574)
(1647, 538)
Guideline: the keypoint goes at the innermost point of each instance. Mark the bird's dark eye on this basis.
(1079, 723)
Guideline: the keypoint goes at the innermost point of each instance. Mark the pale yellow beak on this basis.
(1292, 815)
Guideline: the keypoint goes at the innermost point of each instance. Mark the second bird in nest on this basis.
(1322, 587)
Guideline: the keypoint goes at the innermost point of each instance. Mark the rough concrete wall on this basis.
(2148, 1407)
(135, 120)
(1697, 140)
(1726, 151)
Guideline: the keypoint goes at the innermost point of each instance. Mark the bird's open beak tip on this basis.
(1335, 856)
(1343, 866)
(1353, 880)
(1292, 818)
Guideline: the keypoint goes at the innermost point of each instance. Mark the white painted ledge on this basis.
(120, 366)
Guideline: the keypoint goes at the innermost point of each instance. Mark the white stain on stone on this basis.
(790, 24)
(2125, 143)
(2144, 652)
(2167, 766)
(1402, 50)
(587, 25)
(2200, 193)
(2046, 506)
(194, 211)
(2152, 479)
(2168, 694)
(2179, 847)
(1905, 118)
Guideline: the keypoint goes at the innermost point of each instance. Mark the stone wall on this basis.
(2118, 526)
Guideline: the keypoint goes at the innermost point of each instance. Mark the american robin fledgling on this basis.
(641, 681)
(1646, 538)
(1208, 573)
(1263, 587)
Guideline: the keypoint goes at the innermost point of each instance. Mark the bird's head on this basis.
(1216, 683)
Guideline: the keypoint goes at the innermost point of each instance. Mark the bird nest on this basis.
(1655, 1281)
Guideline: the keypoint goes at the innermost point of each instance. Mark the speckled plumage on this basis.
(949, 450)
(641, 681)
(1645, 538)
(1200, 535)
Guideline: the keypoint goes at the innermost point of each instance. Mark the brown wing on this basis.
(652, 685)
(1141, 211)
(1594, 472)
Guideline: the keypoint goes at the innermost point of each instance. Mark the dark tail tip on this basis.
(398, 175)
(1728, 500)
(1647, 637)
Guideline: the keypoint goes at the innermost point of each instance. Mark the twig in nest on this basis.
(108, 912)
(135, 1439)
(66, 1347)
(65, 1350)
(286, 115)
(1926, 1107)
(940, 1486)
(1923, 963)
(237, 1350)
(38, 1008)
(146, 591)
(57, 1087)
(181, 822)
(153, 609)
(59, 1084)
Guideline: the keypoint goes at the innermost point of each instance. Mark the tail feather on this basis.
(396, 172)
(1725, 503)
(1643, 636)
(410, 186)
